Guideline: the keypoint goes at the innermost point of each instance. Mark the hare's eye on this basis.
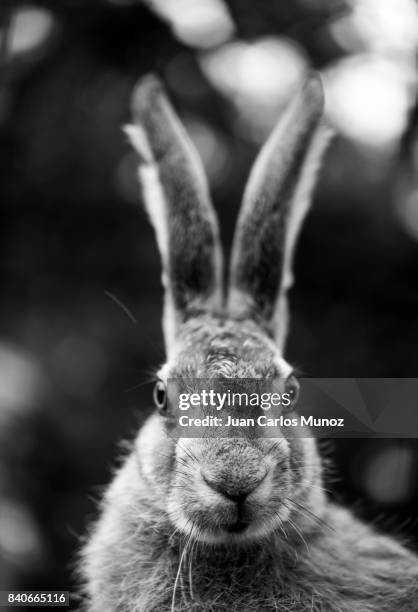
(292, 389)
(160, 396)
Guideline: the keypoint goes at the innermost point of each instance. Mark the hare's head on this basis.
(226, 489)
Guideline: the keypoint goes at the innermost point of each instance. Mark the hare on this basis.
(232, 523)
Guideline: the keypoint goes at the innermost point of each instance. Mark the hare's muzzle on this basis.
(236, 491)
(233, 489)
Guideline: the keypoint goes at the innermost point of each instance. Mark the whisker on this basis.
(122, 306)
(311, 514)
(299, 533)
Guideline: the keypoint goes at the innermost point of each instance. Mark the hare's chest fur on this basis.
(133, 563)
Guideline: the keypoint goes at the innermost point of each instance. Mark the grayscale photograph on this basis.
(209, 305)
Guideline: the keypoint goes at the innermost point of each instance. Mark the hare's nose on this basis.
(237, 493)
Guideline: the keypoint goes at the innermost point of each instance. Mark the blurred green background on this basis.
(75, 370)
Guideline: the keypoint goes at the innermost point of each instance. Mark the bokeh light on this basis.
(408, 213)
(388, 473)
(379, 25)
(21, 381)
(211, 147)
(258, 78)
(202, 24)
(20, 537)
(30, 28)
(368, 98)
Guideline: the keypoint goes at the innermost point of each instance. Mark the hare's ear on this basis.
(177, 200)
(275, 202)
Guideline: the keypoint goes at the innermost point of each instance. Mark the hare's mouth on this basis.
(238, 527)
(240, 533)
(218, 526)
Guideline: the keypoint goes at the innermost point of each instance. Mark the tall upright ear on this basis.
(177, 200)
(275, 202)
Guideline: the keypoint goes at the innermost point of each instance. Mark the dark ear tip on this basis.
(147, 92)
